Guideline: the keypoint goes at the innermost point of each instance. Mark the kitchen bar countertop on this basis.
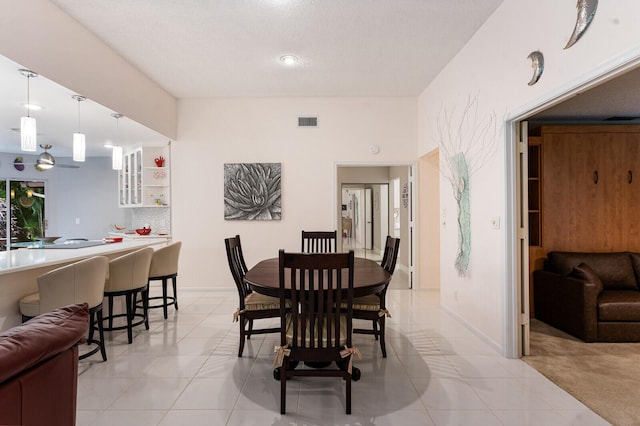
(134, 236)
(29, 258)
(20, 269)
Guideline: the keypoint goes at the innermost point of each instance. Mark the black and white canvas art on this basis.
(252, 191)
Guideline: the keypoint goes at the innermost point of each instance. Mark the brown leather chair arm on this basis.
(41, 338)
(567, 303)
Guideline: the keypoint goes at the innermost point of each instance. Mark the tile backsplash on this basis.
(159, 219)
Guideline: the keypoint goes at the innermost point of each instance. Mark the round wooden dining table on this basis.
(368, 277)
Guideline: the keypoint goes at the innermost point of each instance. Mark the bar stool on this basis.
(79, 282)
(164, 265)
(127, 277)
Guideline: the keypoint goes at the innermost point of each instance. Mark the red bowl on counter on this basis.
(113, 240)
(143, 231)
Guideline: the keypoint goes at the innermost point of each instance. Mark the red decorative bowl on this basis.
(143, 231)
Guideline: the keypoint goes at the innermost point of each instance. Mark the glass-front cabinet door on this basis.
(144, 180)
(130, 180)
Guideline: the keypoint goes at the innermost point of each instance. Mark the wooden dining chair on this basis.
(319, 241)
(373, 307)
(252, 305)
(314, 331)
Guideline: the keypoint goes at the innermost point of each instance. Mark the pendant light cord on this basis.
(28, 102)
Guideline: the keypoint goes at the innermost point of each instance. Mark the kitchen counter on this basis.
(30, 258)
(134, 236)
(20, 268)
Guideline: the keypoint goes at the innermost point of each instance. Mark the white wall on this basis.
(217, 131)
(493, 67)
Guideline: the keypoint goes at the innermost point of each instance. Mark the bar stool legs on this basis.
(129, 315)
(166, 299)
(94, 312)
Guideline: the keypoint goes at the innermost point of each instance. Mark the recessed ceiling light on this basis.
(33, 107)
(289, 59)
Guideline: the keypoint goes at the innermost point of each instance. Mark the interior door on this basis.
(522, 176)
(412, 223)
(383, 223)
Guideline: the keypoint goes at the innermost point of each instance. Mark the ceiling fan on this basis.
(46, 161)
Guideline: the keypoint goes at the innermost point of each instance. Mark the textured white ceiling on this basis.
(228, 48)
(211, 48)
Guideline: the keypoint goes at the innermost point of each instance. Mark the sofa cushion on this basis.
(614, 269)
(619, 305)
(586, 273)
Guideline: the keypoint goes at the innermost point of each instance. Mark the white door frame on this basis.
(513, 299)
(368, 219)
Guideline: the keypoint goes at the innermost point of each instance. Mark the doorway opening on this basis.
(365, 219)
(363, 188)
(517, 268)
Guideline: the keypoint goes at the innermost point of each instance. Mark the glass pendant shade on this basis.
(28, 124)
(28, 134)
(79, 146)
(116, 158)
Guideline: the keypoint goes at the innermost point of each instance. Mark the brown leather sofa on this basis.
(592, 296)
(39, 368)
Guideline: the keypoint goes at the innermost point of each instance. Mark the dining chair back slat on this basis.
(319, 241)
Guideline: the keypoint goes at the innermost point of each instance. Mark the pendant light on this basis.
(116, 154)
(79, 145)
(28, 124)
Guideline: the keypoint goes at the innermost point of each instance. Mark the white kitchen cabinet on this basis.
(144, 180)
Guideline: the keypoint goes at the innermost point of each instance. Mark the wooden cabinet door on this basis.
(571, 195)
(629, 171)
(591, 189)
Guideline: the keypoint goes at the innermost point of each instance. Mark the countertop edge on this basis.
(30, 258)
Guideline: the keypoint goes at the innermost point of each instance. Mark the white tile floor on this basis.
(185, 371)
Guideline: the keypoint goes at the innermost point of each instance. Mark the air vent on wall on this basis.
(307, 121)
